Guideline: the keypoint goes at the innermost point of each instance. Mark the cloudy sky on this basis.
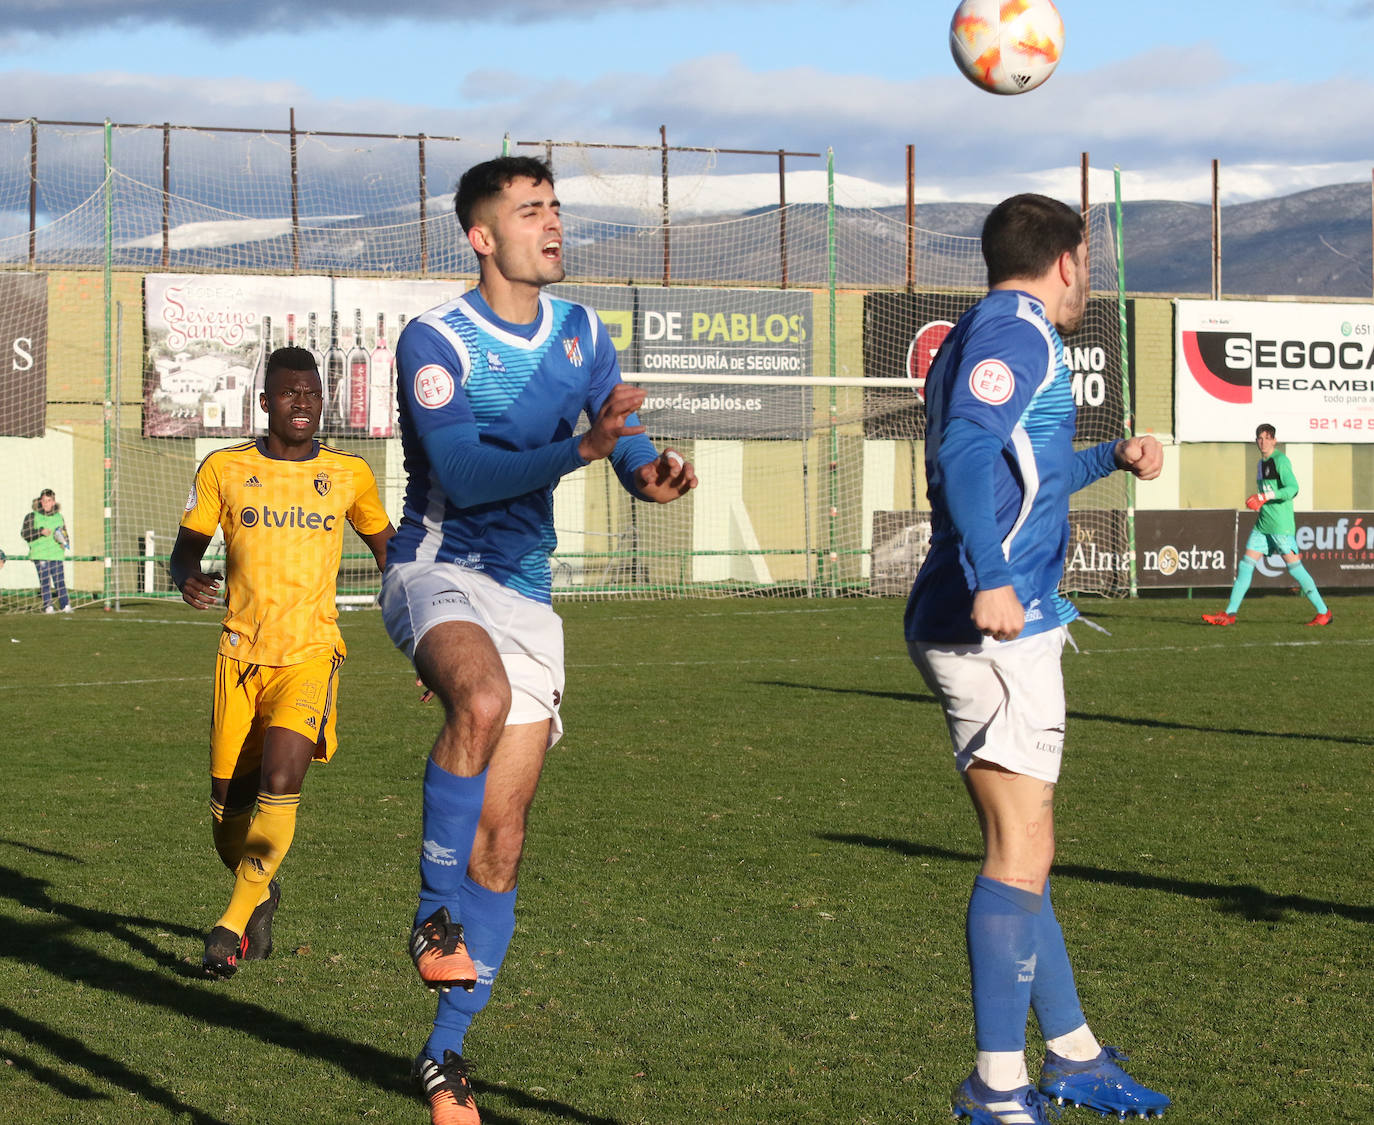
(1278, 90)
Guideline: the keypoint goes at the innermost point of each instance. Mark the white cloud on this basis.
(243, 17)
(1162, 118)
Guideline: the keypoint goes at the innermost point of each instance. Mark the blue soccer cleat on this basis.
(983, 1105)
(1099, 1084)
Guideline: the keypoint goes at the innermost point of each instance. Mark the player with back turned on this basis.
(283, 502)
(492, 387)
(986, 625)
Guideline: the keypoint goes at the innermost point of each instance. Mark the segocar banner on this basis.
(1306, 369)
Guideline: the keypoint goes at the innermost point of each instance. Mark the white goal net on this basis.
(146, 272)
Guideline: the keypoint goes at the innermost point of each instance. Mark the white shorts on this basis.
(1003, 702)
(417, 596)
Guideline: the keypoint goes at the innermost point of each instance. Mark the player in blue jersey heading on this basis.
(986, 626)
(492, 387)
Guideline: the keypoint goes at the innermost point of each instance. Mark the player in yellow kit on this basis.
(282, 502)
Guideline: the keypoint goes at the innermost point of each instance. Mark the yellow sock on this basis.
(229, 827)
(267, 841)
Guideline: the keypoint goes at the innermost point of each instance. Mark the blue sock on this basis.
(1245, 571)
(488, 923)
(1003, 923)
(1053, 994)
(452, 806)
(1306, 585)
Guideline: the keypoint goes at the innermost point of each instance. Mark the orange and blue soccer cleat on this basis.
(1222, 618)
(1321, 619)
(258, 933)
(441, 955)
(448, 1090)
(223, 951)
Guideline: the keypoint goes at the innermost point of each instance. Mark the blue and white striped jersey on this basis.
(488, 414)
(999, 389)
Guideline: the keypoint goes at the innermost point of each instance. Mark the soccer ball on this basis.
(1006, 46)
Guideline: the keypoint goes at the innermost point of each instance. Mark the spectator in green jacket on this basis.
(45, 531)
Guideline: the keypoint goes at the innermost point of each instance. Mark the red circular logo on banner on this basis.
(992, 381)
(920, 354)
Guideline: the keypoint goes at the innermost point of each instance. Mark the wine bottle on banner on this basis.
(335, 378)
(382, 392)
(312, 343)
(290, 330)
(256, 419)
(358, 364)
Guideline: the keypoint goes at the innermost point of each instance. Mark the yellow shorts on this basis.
(249, 698)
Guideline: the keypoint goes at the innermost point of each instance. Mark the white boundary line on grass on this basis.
(399, 672)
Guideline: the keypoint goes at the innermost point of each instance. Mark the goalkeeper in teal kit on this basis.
(1273, 533)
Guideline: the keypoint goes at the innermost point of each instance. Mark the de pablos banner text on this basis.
(713, 332)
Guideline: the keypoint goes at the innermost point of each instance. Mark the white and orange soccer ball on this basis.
(1006, 46)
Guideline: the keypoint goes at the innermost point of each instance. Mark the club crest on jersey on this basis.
(992, 382)
(433, 386)
(494, 362)
(573, 350)
(323, 484)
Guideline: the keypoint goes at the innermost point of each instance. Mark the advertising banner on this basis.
(209, 338)
(903, 331)
(715, 332)
(1185, 548)
(1337, 548)
(1098, 559)
(23, 354)
(1306, 369)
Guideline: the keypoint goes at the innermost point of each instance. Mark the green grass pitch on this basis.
(744, 886)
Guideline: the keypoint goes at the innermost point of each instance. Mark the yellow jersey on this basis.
(283, 527)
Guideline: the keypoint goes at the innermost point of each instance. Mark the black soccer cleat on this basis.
(223, 951)
(257, 935)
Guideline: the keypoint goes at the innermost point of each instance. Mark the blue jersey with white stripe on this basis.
(465, 374)
(999, 383)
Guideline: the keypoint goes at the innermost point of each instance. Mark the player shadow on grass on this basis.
(75, 1053)
(1251, 902)
(1092, 717)
(46, 946)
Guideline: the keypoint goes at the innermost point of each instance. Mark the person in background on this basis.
(283, 502)
(45, 531)
(1274, 532)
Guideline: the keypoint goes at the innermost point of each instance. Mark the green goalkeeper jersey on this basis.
(1276, 481)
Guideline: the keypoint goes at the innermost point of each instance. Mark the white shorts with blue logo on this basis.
(416, 596)
(1003, 700)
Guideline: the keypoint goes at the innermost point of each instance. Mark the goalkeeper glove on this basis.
(1255, 502)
